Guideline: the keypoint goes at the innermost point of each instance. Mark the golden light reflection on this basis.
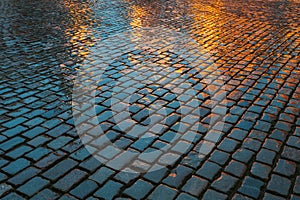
(137, 14)
(225, 31)
(145, 14)
(148, 14)
(80, 28)
(207, 23)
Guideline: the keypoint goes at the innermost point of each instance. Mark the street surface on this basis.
(149, 99)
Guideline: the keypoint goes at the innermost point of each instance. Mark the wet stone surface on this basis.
(199, 99)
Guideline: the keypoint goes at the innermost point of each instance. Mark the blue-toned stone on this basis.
(45, 194)
(51, 123)
(14, 122)
(184, 196)
(285, 167)
(156, 173)
(238, 134)
(50, 159)
(163, 192)
(59, 142)
(80, 154)
(212, 194)
(38, 153)
(24, 176)
(14, 131)
(33, 186)
(279, 184)
(9, 144)
(38, 141)
(260, 170)
(228, 145)
(109, 190)
(16, 166)
(208, 170)
(225, 183)
(84, 189)
(12, 196)
(126, 175)
(59, 130)
(139, 189)
(2, 177)
(219, 157)
(177, 175)
(195, 186)
(252, 144)
(236, 168)
(245, 125)
(251, 187)
(71, 179)
(266, 156)
(60, 169)
(35, 121)
(101, 175)
(91, 164)
(243, 155)
(34, 132)
(19, 151)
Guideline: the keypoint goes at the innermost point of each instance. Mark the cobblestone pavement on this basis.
(241, 57)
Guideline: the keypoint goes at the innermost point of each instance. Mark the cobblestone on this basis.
(297, 186)
(139, 189)
(279, 184)
(84, 189)
(19, 152)
(224, 183)
(45, 194)
(101, 175)
(251, 187)
(24, 176)
(219, 157)
(59, 169)
(266, 156)
(212, 194)
(260, 170)
(195, 186)
(177, 176)
(285, 167)
(164, 192)
(210, 88)
(11, 143)
(209, 170)
(236, 168)
(156, 174)
(65, 183)
(16, 166)
(13, 196)
(126, 176)
(33, 186)
(184, 196)
(291, 154)
(271, 197)
(4, 189)
(109, 190)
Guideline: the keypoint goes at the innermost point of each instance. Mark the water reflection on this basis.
(79, 30)
(73, 26)
(232, 34)
(228, 30)
(153, 13)
(42, 42)
(30, 28)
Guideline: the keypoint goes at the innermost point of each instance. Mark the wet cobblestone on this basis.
(232, 106)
